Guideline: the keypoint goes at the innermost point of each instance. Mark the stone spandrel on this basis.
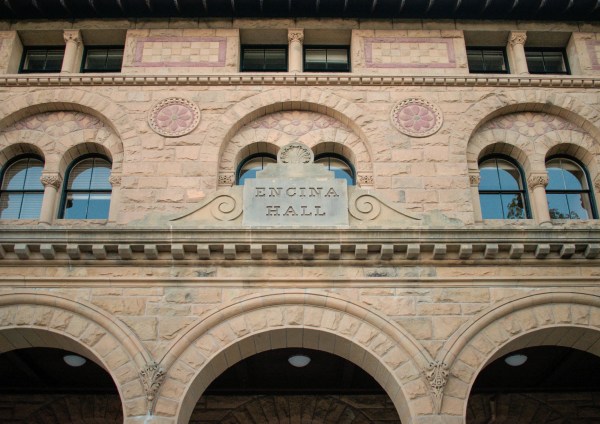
(289, 201)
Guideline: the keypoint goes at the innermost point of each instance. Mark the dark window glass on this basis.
(41, 59)
(103, 59)
(341, 167)
(326, 59)
(264, 58)
(252, 164)
(22, 191)
(501, 190)
(541, 61)
(487, 60)
(87, 192)
(568, 190)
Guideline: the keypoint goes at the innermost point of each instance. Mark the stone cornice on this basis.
(282, 79)
(162, 247)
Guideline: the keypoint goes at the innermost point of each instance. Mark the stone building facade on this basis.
(415, 285)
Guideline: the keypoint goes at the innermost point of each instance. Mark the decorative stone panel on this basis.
(174, 117)
(416, 117)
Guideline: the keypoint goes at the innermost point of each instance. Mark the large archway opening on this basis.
(55, 386)
(545, 383)
(294, 385)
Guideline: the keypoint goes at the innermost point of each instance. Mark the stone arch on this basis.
(562, 318)
(488, 142)
(291, 99)
(554, 103)
(317, 321)
(19, 149)
(33, 319)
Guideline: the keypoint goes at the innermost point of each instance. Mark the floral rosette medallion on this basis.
(416, 117)
(174, 117)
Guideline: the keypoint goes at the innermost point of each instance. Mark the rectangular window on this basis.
(264, 59)
(546, 61)
(102, 59)
(42, 59)
(327, 59)
(487, 60)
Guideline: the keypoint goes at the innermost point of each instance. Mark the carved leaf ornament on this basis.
(174, 117)
(416, 117)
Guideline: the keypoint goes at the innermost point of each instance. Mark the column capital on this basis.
(72, 36)
(115, 180)
(597, 183)
(474, 178)
(295, 35)
(51, 180)
(517, 37)
(535, 180)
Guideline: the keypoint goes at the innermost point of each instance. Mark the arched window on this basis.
(87, 191)
(252, 164)
(22, 191)
(341, 167)
(502, 189)
(568, 190)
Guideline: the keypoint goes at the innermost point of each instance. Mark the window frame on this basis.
(265, 47)
(66, 191)
(326, 47)
(87, 49)
(11, 162)
(560, 50)
(589, 191)
(523, 191)
(339, 157)
(248, 159)
(27, 49)
(481, 49)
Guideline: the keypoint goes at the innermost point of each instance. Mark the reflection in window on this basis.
(252, 164)
(102, 59)
(264, 58)
(87, 193)
(22, 191)
(568, 190)
(487, 60)
(501, 190)
(42, 59)
(340, 166)
(326, 59)
(545, 61)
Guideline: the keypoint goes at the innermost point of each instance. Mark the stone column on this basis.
(516, 48)
(113, 211)
(474, 180)
(51, 183)
(295, 38)
(72, 50)
(537, 186)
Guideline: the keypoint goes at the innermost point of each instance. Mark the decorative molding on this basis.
(157, 52)
(308, 79)
(535, 180)
(295, 153)
(437, 376)
(174, 117)
(51, 180)
(366, 179)
(295, 36)
(517, 38)
(152, 376)
(474, 179)
(416, 117)
(379, 52)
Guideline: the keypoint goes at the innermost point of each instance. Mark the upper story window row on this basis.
(389, 52)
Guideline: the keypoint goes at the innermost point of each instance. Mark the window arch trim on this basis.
(341, 158)
(247, 159)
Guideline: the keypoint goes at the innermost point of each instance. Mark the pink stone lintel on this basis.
(139, 50)
(448, 42)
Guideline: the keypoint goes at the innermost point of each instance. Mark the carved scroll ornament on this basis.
(437, 376)
(152, 376)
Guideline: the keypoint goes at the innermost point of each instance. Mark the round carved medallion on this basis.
(295, 153)
(416, 117)
(174, 117)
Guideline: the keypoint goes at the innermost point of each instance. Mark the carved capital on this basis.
(72, 36)
(365, 180)
(437, 376)
(517, 38)
(296, 36)
(152, 376)
(474, 180)
(535, 180)
(52, 180)
(114, 180)
(226, 180)
(597, 183)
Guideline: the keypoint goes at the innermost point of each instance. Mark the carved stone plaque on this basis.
(283, 202)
